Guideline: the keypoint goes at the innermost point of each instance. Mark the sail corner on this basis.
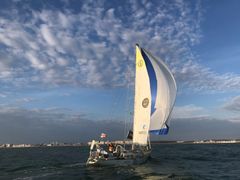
(162, 131)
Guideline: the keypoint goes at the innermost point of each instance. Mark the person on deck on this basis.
(102, 152)
(111, 147)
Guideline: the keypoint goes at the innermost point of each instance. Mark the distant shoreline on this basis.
(215, 141)
(219, 141)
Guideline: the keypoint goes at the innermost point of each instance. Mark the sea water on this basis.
(169, 161)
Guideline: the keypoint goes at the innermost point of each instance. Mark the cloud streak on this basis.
(43, 125)
(202, 128)
(189, 111)
(233, 104)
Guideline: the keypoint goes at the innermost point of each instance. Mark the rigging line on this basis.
(131, 105)
(125, 123)
(126, 106)
(128, 109)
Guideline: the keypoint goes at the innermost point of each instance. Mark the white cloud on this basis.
(5, 74)
(102, 42)
(3, 95)
(195, 76)
(232, 104)
(62, 62)
(35, 62)
(95, 46)
(21, 101)
(48, 35)
(189, 111)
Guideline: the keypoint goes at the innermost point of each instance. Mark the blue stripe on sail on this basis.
(153, 81)
(162, 131)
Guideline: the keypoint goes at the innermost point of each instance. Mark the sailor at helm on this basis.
(111, 147)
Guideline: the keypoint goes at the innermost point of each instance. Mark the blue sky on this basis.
(70, 63)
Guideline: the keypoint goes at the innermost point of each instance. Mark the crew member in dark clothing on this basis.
(111, 147)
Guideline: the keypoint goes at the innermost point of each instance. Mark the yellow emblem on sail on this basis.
(139, 59)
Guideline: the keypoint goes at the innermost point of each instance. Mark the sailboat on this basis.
(155, 93)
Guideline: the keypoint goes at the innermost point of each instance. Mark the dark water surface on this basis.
(169, 161)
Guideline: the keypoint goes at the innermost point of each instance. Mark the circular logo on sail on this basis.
(145, 102)
(140, 63)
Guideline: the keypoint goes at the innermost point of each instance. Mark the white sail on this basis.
(142, 102)
(163, 93)
(155, 93)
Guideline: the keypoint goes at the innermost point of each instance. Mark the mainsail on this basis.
(142, 108)
(155, 93)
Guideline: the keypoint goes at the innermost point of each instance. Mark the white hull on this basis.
(133, 159)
